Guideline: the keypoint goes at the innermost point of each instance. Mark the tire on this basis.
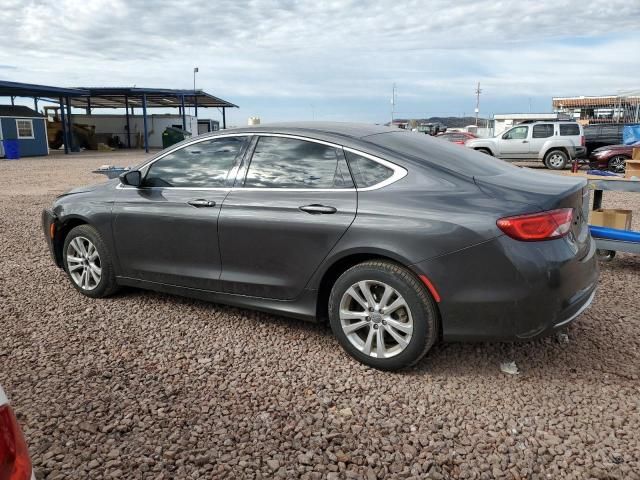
(485, 151)
(556, 160)
(414, 322)
(617, 164)
(88, 262)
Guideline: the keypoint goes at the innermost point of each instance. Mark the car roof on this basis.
(340, 129)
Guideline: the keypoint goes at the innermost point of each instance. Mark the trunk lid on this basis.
(528, 191)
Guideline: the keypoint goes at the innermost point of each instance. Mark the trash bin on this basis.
(11, 149)
(173, 135)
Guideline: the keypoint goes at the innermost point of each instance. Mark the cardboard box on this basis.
(612, 218)
(632, 167)
(635, 154)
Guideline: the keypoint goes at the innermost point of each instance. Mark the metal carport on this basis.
(108, 97)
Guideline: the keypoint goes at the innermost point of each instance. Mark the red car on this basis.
(457, 137)
(15, 463)
(611, 157)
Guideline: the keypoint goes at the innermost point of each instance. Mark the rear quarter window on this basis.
(569, 129)
(367, 172)
(424, 148)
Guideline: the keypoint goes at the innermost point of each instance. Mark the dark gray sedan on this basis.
(397, 238)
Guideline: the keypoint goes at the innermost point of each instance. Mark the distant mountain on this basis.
(449, 122)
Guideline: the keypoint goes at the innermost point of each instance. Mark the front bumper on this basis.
(509, 290)
(49, 220)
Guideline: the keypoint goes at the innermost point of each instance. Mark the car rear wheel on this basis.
(88, 262)
(382, 315)
(556, 160)
(616, 164)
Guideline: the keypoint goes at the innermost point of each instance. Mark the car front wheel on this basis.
(88, 262)
(382, 315)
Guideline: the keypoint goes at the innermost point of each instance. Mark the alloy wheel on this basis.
(617, 164)
(376, 319)
(83, 263)
(556, 160)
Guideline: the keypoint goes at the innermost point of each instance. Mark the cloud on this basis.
(333, 53)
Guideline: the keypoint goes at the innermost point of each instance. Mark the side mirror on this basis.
(132, 178)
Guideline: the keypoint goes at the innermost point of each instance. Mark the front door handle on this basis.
(201, 202)
(316, 209)
(525, 141)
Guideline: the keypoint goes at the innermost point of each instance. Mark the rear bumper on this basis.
(509, 290)
(581, 152)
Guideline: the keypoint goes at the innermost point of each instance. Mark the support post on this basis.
(195, 104)
(184, 117)
(63, 120)
(70, 124)
(13, 100)
(126, 109)
(35, 103)
(144, 119)
(89, 106)
(224, 118)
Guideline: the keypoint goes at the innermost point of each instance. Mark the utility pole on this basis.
(195, 70)
(393, 103)
(478, 92)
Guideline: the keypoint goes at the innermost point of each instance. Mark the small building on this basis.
(622, 108)
(26, 126)
(504, 121)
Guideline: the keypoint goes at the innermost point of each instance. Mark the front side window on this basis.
(24, 128)
(517, 133)
(281, 162)
(544, 130)
(367, 172)
(198, 165)
(569, 129)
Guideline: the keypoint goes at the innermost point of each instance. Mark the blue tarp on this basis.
(631, 134)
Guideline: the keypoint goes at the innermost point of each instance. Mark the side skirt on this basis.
(303, 307)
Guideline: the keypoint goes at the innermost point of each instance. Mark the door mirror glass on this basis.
(132, 178)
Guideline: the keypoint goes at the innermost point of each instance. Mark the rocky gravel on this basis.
(144, 385)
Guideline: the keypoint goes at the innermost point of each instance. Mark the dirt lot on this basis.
(144, 385)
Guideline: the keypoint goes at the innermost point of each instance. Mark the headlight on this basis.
(601, 153)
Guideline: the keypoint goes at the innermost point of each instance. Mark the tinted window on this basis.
(567, 129)
(611, 131)
(199, 165)
(517, 133)
(367, 172)
(280, 162)
(426, 149)
(591, 131)
(542, 131)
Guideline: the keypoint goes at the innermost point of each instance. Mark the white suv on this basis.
(554, 143)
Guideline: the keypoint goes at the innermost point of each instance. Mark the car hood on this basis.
(615, 147)
(88, 188)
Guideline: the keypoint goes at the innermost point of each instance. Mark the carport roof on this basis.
(110, 97)
(107, 97)
(16, 89)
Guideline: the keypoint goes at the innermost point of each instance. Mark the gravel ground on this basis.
(144, 385)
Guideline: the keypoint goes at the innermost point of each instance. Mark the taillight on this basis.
(538, 226)
(15, 463)
(583, 142)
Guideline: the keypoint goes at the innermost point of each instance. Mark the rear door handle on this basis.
(525, 141)
(316, 209)
(201, 202)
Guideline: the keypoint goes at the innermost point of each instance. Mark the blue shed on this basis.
(26, 126)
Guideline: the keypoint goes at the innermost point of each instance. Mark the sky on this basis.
(331, 60)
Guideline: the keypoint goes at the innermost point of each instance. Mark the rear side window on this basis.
(542, 131)
(367, 172)
(280, 162)
(569, 129)
(611, 130)
(199, 165)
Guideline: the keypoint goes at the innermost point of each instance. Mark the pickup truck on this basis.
(554, 143)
